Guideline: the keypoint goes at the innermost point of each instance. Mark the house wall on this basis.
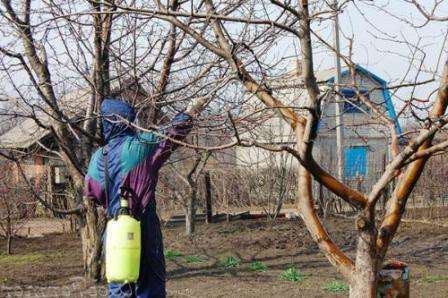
(39, 169)
(377, 153)
(35, 169)
(355, 124)
(15, 196)
(359, 130)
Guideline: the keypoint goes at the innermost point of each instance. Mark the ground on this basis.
(247, 258)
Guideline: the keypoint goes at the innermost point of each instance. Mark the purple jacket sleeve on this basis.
(94, 191)
(177, 130)
(93, 186)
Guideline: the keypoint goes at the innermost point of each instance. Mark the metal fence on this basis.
(233, 189)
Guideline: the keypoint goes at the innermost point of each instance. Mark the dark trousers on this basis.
(151, 282)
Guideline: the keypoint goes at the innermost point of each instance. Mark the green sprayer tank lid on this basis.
(124, 203)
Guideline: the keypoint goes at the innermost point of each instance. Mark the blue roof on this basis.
(386, 94)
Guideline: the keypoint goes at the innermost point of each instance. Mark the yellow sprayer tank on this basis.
(123, 248)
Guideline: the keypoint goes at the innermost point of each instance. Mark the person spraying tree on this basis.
(128, 166)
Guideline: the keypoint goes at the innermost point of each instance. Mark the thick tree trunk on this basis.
(190, 213)
(364, 279)
(92, 228)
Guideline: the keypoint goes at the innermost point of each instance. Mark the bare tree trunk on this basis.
(364, 278)
(8, 243)
(386, 190)
(330, 205)
(208, 198)
(92, 228)
(190, 212)
(9, 227)
(192, 181)
(281, 194)
(320, 200)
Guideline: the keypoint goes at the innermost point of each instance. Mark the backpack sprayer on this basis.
(123, 245)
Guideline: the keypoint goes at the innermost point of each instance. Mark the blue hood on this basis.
(112, 128)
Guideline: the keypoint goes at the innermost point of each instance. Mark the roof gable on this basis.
(329, 74)
(73, 103)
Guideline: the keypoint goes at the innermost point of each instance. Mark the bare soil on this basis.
(51, 266)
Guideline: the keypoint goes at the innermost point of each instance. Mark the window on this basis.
(60, 174)
(355, 161)
(351, 103)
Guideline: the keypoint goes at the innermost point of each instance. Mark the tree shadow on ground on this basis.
(282, 261)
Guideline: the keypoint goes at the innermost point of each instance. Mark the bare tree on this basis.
(190, 197)
(14, 208)
(243, 52)
(185, 50)
(99, 51)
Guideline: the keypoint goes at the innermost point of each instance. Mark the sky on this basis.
(378, 43)
(383, 41)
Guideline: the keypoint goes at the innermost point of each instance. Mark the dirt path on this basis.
(239, 259)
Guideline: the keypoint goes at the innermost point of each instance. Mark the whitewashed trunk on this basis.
(364, 280)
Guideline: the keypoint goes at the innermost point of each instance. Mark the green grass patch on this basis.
(23, 259)
(434, 278)
(292, 274)
(194, 259)
(256, 266)
(172, 254)
(335, 286)
(230, 262)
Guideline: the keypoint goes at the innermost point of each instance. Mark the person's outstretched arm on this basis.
(178, 130)
(175, 132)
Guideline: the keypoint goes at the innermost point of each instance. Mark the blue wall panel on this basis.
(355, 161)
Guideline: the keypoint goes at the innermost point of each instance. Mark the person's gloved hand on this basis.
(197, 105)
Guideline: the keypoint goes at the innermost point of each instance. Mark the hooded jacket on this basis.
(134, 159)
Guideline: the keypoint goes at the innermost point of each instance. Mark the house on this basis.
(47, 171)
(31, 137)
(366, 139)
